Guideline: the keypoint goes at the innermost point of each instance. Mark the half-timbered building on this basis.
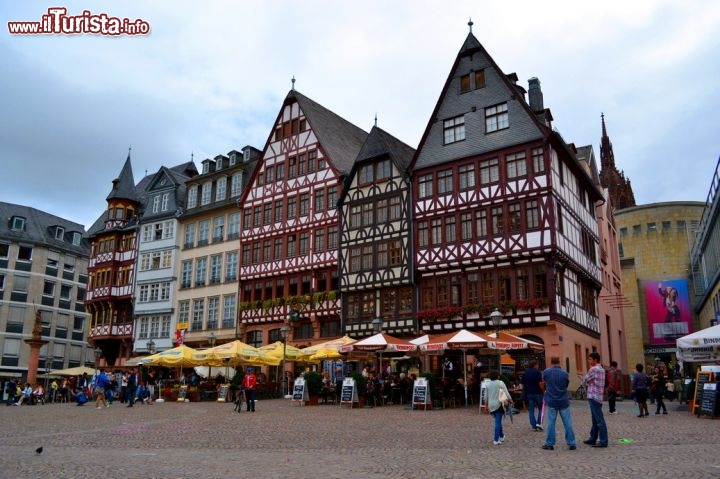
(504, 214)
(375, 259)
(290, 225)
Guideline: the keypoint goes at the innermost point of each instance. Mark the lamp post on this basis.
(283, 379)
(377, 324)
(496, 319)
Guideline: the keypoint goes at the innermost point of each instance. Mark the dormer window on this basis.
(59, 233)
(232, 159)
(246, 155)
(17, 223)
(76, 238)
(206, 167)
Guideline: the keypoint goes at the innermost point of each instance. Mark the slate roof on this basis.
(379, 143)
(341, 139)
(39, 228)
(452, 102)
(124, 184)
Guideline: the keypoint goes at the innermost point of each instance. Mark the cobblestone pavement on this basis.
(209, 440)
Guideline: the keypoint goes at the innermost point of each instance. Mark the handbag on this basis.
(503, 398)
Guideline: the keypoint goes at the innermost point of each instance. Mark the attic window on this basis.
(454, 129)
(480, 79)
(76, 238)
(59, 233)
(465, 83)
(232, 160)
(17, 223)
(496, 118)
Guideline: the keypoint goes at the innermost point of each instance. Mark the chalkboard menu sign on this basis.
(421, 394)
(709, 403)
(222, 393)
(182, 393)
(300, 393)
(702, 378)
(348, 392)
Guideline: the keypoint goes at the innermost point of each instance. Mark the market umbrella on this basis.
(234, 353)
(76, 371)
(509, 341)
(278, 348)
(462, 340)
(380, 343)
(700, 346)
(178, 356)
(335, 344)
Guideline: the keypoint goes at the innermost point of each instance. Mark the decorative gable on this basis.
(480, 110)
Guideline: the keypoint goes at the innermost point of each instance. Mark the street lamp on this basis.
(283, 380)
(496, 318)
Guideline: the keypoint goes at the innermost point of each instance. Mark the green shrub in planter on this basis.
(313, 382)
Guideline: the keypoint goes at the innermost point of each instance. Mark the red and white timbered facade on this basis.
(290, 225)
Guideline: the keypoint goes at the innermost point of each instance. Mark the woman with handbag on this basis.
(499, 401)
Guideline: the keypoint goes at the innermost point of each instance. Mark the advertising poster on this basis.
(668, 307)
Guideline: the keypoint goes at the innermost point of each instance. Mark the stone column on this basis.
(35, 344)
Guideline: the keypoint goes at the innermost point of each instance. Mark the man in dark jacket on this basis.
(557, 401)
(131, 386)
(532, 391)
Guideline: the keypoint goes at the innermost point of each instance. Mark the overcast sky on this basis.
(210, 77)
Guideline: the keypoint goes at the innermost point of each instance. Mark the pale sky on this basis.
(210, 77)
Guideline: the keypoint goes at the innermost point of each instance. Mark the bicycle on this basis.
(581, 391)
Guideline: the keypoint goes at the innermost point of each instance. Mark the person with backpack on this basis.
(612, 386)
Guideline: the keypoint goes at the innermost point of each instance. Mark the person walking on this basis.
(595, 380)
(101, 382)
(533, 392)
(130, 389)
(557, 402)
(613, 386)
(249, 383)
(496, 405)
(640, 390)
(659, 389)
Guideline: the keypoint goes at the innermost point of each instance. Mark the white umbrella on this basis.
(700, 346)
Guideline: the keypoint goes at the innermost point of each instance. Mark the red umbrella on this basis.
(380, 342)
(509, 341)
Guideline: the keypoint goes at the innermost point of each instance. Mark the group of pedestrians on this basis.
(551, 388)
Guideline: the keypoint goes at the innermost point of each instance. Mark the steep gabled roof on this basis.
(341, 139)
(380, 143)
(124, 184)
(471, 104)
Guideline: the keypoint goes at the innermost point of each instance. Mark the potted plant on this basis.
(314, 384)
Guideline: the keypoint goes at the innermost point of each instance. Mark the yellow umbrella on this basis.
(335, 344)
(234, 353)
(277, 349)
(179, 356)
(324, 354)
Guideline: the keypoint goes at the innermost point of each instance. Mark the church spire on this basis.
(619, 187)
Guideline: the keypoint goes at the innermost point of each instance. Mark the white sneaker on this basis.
(497, 443)
(502, 439)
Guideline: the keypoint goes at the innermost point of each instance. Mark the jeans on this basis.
(250, 399)
(612, 396)
(566, 418)
(498, 433)
(534, 402)
(598, 429)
